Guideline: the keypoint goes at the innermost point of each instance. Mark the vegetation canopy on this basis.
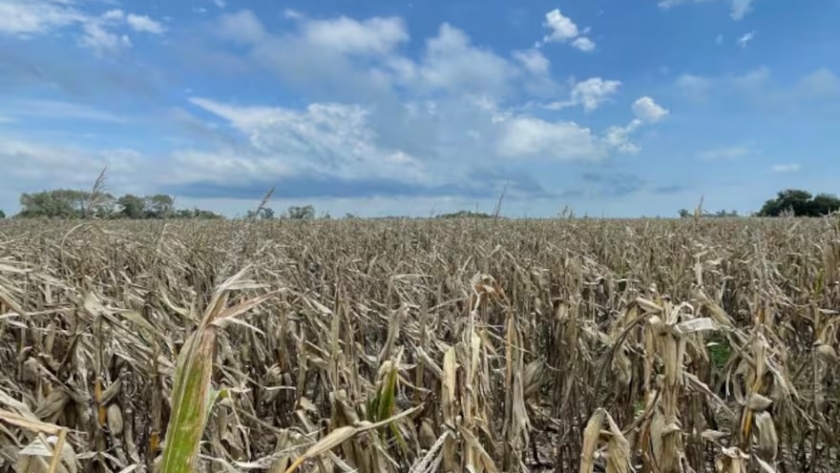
(800, 203)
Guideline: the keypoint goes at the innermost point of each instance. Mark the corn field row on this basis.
(421, 345)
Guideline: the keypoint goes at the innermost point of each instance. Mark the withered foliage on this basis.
(421, 346)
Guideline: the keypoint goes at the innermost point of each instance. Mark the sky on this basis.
(612, 108)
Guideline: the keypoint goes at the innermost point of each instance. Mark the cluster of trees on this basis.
(68, 203)
(794, 202)
(719, 214)
(465, 214)
(294, 212)
(800, 203)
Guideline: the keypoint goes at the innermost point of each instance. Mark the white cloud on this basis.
(739, 8)
(694, 87)
(525, 136)
(452, 63)
(746, 38)
(822, 83)
(113, 15)
(430, 118)
(102, 41)
(31, 17)
(785, 168)
(699, 87)
(584, 44)
(647, 112)
(224, 167)
(726, 153)
(292, 14)
(646, 109)
(564, 29)
(360, 58)
(241, 26)
(533, 60)
(372, 36)
(144, 24)
(719, 39)
(220, 3)
(51, 109)
(26, 17)
(618, 137)
(590, 93)
(380, 138)
(593, 92)
(751, 80)
(326, 137)
(64, 166)
(759, 88)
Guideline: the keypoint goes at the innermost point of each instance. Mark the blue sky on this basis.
(613, 108)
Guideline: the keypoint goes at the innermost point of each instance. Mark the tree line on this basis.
(69, 204)
(800, 203)
(793, 202)
(72, 204)
(77, 204)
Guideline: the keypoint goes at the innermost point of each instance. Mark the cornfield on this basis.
(420, 346)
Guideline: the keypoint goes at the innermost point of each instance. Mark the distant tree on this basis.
(101, 205)
(349, 215)
(2, 215)
(265, 213)
(196, 214)
(132, 206)
(719, 214)
(723, 214)
(306, 212)
(68, 203)
(465, 214)
(825, 204)
(159, 206)
(59, 203)
(800, 203)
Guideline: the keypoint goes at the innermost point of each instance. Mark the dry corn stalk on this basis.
(358, 293)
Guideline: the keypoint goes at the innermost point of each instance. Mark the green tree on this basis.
(100, 205)
(2, 215)
(800, 203)
(159, 206)
(68, 203)
(306, 212)
(132, 206)
(197, 214)
(825, 204)
(267, 213)
(465, 214)
(59, 203)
